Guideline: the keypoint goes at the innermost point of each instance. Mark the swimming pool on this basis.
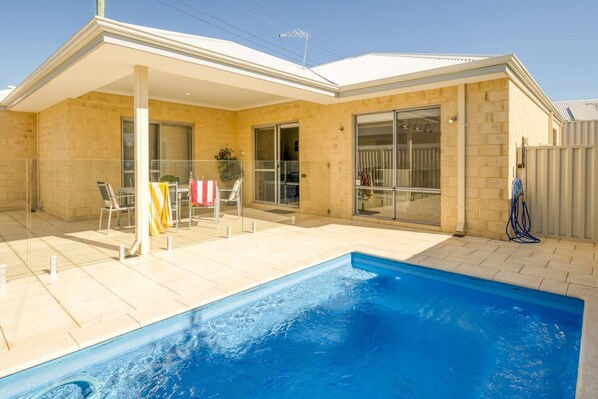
(354, 327)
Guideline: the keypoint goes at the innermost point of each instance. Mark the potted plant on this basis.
(169, 179)
(229, 167)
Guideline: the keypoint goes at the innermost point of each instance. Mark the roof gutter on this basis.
(465, 67)
(509, 65)
(521, 76)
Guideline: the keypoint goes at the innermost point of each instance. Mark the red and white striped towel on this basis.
(203, 192)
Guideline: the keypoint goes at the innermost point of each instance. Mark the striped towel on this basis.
(203, 192)
(160, 214)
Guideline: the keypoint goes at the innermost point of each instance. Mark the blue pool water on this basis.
(356, 327)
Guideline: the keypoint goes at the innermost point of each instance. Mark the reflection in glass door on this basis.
(398, 165)
(265, 165)
(170, 151)
(277, 164)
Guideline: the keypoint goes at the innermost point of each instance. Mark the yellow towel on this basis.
(160, 214)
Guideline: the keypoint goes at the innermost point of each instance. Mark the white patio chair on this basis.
(110, 204)
(233, 196)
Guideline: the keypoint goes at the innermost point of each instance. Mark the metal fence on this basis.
(562, 191)
(580, 133)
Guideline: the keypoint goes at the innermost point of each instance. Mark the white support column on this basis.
(142, 198)
(461, 124)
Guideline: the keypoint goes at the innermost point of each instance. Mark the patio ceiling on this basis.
(175, 88)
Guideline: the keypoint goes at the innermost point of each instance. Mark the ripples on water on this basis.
(351, 333)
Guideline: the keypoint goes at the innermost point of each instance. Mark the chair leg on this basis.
(101, 214)
(109, 221)
(238, 207)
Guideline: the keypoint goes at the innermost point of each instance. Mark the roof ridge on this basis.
(175, 33)
(470, 57)
(435, 55)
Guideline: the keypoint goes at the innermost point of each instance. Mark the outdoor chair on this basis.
(204, 194)
(234, 195)
(110, 204)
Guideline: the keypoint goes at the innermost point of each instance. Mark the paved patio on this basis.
(96, 297)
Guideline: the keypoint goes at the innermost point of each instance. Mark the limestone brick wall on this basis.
(18, 141)
(327, 157)
(85, 134)
(498, 115)
(53, 152)
(488, 160)
(527, 119)
(558, 127)
(487, 163)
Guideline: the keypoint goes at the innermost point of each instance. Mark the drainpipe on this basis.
(100, 8)
(461, 128)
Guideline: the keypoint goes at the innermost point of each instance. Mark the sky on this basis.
(555, 40)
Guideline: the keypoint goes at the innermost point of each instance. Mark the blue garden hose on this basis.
(519, 222)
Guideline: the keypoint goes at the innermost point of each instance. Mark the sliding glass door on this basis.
(265, 164)
(277, 164)
(398, 165)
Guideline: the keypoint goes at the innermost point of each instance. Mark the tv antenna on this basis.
(298, 33)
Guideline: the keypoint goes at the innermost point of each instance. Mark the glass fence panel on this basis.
(82, 211)
(14, 219)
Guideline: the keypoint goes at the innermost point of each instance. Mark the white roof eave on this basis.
(520, 74)
(100, 30)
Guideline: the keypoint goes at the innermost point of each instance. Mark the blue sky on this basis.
(556, 40)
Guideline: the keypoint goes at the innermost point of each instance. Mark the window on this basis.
(398, 165)
(170, 151)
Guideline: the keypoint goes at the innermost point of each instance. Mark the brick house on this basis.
(426, 141)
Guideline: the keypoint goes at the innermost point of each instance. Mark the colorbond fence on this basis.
(562, 191)
(580, 133)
